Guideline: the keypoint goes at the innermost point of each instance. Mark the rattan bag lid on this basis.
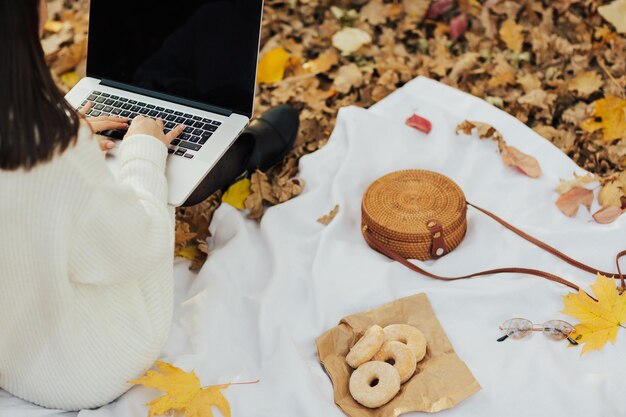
(400, 205)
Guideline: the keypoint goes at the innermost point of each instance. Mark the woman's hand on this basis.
(100, 124)
(148, 126)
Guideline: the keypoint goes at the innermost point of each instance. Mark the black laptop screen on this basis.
(204, 51)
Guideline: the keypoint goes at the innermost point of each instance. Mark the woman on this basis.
(86, 258)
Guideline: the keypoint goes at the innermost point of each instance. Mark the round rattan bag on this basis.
(416, 213)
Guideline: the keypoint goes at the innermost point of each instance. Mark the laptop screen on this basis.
(200, 50)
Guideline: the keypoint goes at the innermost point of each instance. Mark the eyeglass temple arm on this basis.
(569, 339)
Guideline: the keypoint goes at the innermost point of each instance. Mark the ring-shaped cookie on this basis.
(366, 347)
(374, 384)
(403, 358)
(409, 335)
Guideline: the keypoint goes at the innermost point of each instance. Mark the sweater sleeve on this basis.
(126, 226)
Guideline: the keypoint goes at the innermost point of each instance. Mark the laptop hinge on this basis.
(162, 96)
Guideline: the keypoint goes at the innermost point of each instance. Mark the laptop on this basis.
(191, 62)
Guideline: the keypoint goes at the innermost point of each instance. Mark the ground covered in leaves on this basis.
(559, 66)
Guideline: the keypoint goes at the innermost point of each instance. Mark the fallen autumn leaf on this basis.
(570, 201)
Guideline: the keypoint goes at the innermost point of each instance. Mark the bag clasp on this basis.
(438, 248)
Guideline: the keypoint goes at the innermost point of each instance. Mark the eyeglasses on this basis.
(555, 329)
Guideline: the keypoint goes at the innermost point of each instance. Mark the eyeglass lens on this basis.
(515, 329)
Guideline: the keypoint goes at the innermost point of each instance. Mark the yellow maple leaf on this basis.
(511, 34)
(272, 65)
(608, 114)
(54, 26)
(190, 252)
(70, 79)
(197, 407)
(184, 395)
(237, 193)
(599, 319)
(611, 194)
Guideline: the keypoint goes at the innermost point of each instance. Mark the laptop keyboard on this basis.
(197, 131)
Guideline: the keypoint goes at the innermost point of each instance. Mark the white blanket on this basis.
(269, 289)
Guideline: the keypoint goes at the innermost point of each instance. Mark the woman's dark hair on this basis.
(35, 118)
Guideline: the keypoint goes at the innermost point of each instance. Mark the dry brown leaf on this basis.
(182, 235)
(607, 215)
(54, 8)
(503, 74)
(615, 13)
(350, 40)
(611, 194)
(578, 181)
(463, 66)
(586, 83)
(529, 82)
(415, 9)
(524, 163)
(327, 218)
(511, 156)
(484, 131)
(375, 12)
(440, 61)
(562, 138)
(576, 114)
(261, 192)
(322, 63)
(52, 44)
(285, 190)
(569, 202)
(538, 98)
(69, 57)
(511, 34)
(487, 23)
(348, 76)
(622, 180)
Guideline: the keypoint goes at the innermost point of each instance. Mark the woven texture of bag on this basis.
(418, 214)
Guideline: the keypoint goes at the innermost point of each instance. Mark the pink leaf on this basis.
(569, 202)
(419, 123)
(458, 26)
(439, 7)
(607, 214)
(526, 164)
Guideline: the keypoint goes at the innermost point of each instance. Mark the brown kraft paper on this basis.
(441, 380)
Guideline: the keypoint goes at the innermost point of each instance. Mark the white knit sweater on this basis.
(85, 273)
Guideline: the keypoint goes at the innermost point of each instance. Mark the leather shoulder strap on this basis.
(393, 255)
(542, 245)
